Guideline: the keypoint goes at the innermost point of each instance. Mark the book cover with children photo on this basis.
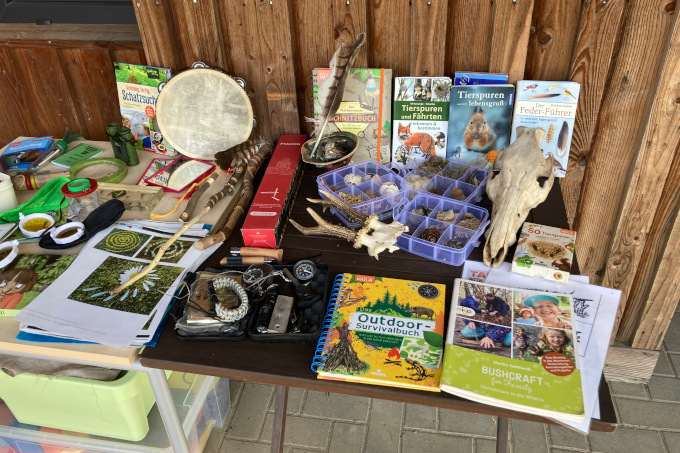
(513, 348)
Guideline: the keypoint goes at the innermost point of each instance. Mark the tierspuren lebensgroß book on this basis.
(552, 107)
(479, 78)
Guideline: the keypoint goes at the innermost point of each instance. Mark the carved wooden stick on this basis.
(198, 194)
(253, 166)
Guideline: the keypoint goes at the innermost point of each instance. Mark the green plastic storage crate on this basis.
(115, 409)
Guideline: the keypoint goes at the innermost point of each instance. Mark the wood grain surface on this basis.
(656, 148)
(593, 54)
(428, 25)
(510, 37)
(389, 41)
(156, 27)
(616, 136)
(468, 46)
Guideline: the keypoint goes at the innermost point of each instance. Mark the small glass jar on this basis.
(82, 198)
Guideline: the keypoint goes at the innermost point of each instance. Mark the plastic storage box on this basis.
(455, 241)
(201, 407)
(116, 408)
(471, 180)
(369, 178)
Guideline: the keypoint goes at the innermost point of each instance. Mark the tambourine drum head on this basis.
(201, 112)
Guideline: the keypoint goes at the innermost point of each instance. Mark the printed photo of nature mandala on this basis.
(141, 297)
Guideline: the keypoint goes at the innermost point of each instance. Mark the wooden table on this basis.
(288, 365)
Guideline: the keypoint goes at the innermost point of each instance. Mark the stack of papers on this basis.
(78, 305)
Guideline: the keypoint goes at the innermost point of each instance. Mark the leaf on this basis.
(434, 339)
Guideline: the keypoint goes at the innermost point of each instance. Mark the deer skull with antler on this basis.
(521, 180)
(375, 235)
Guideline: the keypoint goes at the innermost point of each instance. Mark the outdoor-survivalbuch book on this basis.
(364, 111)
(383, 331)
(421, 118)
(552, 107)
(479, 122)
(137, 94)
(513, 348)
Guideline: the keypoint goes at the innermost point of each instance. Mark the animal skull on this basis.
(521, 179)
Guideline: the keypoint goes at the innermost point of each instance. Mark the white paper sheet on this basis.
(594, 313)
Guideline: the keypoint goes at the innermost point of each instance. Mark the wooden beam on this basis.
(428, 27)
(276, 50)
(619, 124)
(70, 32)
(630, 365)
(468, 46)
(656, 148)
(551, 41)
(510, 37)
(593, 54)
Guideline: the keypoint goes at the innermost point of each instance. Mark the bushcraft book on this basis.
(364, 111)
(137, 94)
(383, 331)
(26, 277)
(479, 122)
(513, 348)
(421, 118)
(552, 107)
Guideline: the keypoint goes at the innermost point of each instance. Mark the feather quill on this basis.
(332, 88)
(562, 139)
(544, 96)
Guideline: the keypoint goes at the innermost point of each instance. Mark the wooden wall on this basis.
(621, 188)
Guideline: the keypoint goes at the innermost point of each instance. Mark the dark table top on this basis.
(289, 364)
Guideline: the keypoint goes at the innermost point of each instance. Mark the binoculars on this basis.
(122, 143)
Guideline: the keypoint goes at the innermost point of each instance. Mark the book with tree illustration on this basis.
(26, 277)
(137, 94)
(383, 331)
(513, 348)
(552, 107)
(364, 111)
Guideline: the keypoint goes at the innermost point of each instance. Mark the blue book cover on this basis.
(479, 122)
(552, 107)
(20, 155)
(479, 78)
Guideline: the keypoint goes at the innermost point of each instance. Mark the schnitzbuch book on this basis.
(383, 331)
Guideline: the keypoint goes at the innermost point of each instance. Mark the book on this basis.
(479, 78)
(137, 95)
(364, 111)
(513, 348)
(544, 251)
(18, 156)
(552, 107)
(26, 277)
(383, 331)
(421, 118)
(78, 154)
(479, 122)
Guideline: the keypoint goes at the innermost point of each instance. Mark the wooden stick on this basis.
(205, 184)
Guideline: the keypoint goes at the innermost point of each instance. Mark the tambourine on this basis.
(202, 111)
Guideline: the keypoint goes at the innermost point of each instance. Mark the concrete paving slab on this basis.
(420, 417)
(665, 388)
(231, 445)
(384, 426)
(565, 437)
(466, 423)
(431, 443)
(485, 446)
(301, 431)
(652, 414)
(627, 389)
(250, 411)
(626, 440)
(528, 437)
(336, 406)
(295, 398)
(672, 441)
(347, 438)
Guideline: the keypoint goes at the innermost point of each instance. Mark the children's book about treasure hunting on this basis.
(552, 107)
(365, 111)
(513, 348)
(421, 118)
(479, 122)
(137, 93)
(383, 331)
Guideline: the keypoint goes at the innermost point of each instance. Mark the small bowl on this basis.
(34, 225)
(8, 251)
(346, 140)
(67, 233)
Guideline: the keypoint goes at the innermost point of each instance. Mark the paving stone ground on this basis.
(649, 421)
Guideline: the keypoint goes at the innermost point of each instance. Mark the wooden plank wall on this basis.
(621, 188)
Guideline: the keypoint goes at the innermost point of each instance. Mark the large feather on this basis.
(562, 139)
(544, 96)
(331, 89)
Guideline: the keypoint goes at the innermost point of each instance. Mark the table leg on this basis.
(279, 428)
(166, 407)
(502, 435)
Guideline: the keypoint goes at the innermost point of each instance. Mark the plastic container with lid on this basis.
(82, 198)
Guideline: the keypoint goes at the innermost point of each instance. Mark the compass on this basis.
(428, 291)
(304, 270)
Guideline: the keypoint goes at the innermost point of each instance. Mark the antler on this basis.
(335, 202)
(325, 228)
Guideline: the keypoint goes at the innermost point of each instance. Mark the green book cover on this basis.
(78, 154)
(514, 349)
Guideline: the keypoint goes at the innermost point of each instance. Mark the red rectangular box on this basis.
(269, 212)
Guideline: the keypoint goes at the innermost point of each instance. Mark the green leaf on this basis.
(434, 339)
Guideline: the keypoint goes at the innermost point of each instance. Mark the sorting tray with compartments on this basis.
(454, 237)
(367, 182)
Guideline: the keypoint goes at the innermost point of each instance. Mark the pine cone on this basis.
(431, 234)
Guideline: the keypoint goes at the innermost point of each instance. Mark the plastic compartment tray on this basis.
(373, 175)
(456, 174)
(440, 251)
(202, 404)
